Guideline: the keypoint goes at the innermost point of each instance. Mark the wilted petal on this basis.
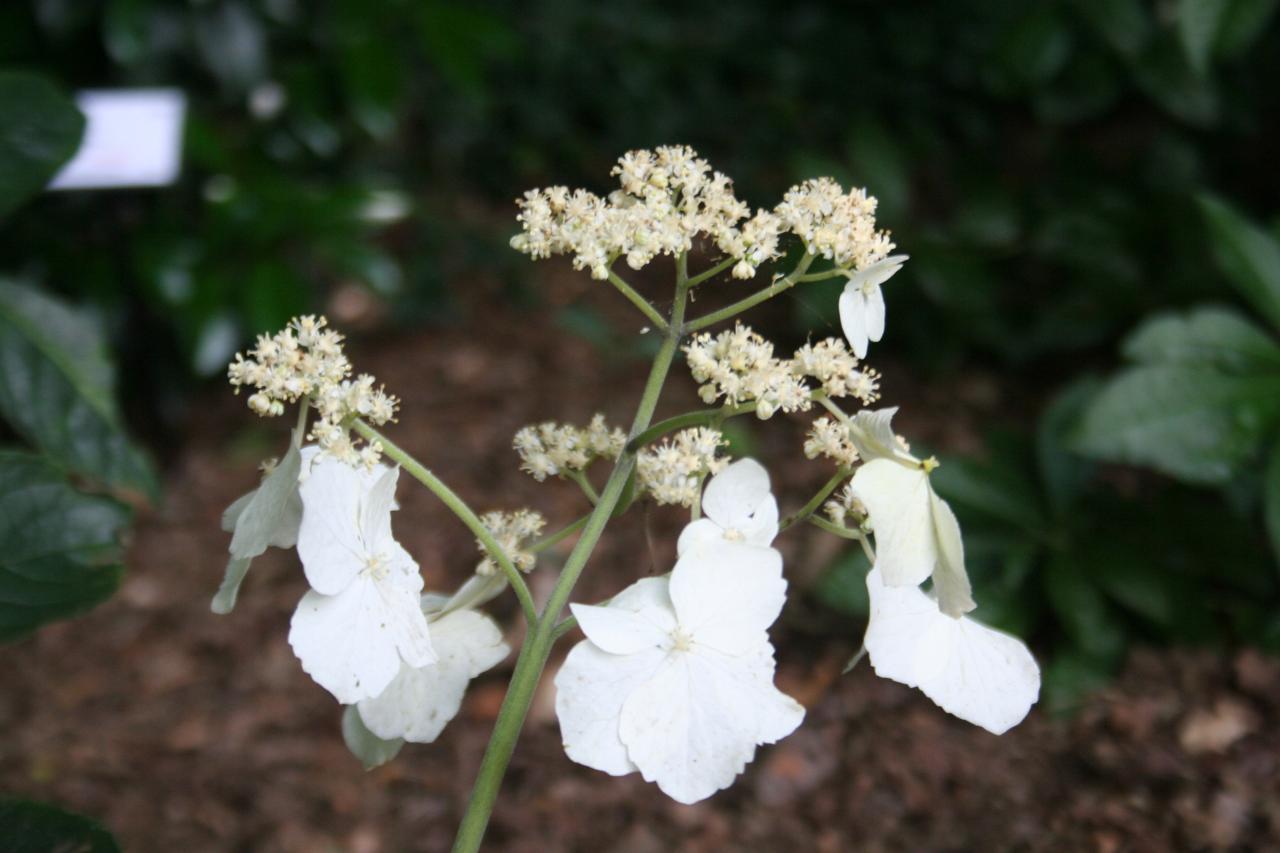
(950, 580)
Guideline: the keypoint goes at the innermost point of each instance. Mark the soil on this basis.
(182, 730)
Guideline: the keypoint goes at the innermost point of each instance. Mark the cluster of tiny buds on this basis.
(306, 361)
(514, 531)
(845, 510)
(550, 449)
(669, 196)
(832, 363)
(738, 365)
(830, 439)
(672, 472)
(839, 226)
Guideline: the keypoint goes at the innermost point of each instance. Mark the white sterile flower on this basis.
(916, 533)
(862, 303)
(739, 507)
(675, 678)
(420, 701)
(981, 675)
(362, 616)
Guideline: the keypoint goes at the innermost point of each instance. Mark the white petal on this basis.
(979, 674)
(695, 725)
(880, 272)
(638, 618)
(853, 320)
(420, 701)
(875, 313)
(727, 596)
(873, 435)
(700, 533)
(950, 580)
(352, 643)
(897, 498)
(734, 495)
(591, 688)
(375, 522)
(329, 542)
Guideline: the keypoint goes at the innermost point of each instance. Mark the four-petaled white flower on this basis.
(675, 678)
(862, 303)
(420, 701)
(917, 535)
(979, 674)
(739, 507)
(362, 616)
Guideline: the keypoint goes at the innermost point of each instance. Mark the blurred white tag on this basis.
(132, 138)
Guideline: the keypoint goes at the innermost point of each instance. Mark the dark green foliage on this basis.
(40, 132)
(28, 827)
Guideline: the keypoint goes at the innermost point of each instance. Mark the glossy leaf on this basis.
(59, 548)
(57, 389)
(1190, 422)
(40, 129)
(1248, 255)
(1205, 337)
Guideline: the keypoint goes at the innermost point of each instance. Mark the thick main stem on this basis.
(537, 647)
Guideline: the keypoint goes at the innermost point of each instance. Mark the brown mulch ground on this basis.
(183, 731)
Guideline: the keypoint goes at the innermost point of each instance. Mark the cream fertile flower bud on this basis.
(830, 439)
(672, 472)
(738, 365)
(513, 531)
(306, 360)
(839, 226)
(550, 449)
(832, 364)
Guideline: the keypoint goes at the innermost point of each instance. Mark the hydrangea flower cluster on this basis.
(672, 471)
(675, 677)
(551, 449)
(306, 361)
(738, 365)
(669, 196)
(514, 531)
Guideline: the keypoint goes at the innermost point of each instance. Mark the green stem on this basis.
(730, 311)
(537, 647)
(816, 501)
(639, 301)
(584, 484)
(711, 272)
(459, 507)
(842, 532)
(702, 417)
(551, 539)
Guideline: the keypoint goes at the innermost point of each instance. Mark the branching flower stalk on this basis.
(675, 676)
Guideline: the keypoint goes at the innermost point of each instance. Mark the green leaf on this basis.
(997, 489)
(28, 827)
(1198, 25)
(39, 131)
(1271, 500)
(57, 390)
(1248, 255)
(59, 548)
(1206, 337)
(1190, 422)
(1243, 23)
(1063, 474)
(1070, 678)
(1123, 24)
(1090, 622)
(372, 750)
